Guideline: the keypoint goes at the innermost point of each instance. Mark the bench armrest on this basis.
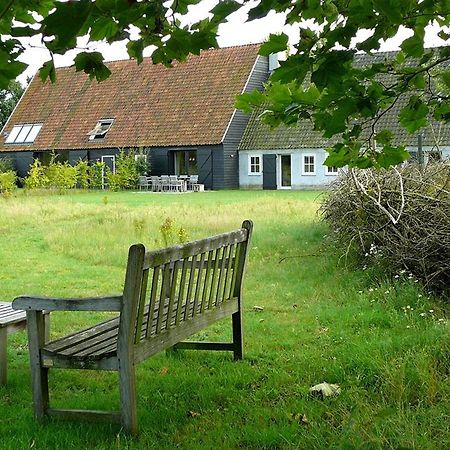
(28, 303)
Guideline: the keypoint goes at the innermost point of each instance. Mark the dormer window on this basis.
(100, 130)
(23, 134)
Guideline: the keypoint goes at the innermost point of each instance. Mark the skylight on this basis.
(23, 134)
(100, 130)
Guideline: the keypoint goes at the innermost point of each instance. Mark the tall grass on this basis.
(386, 344)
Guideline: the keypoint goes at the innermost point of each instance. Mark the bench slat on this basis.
(153, 293)
(164, 256)
(181, 291)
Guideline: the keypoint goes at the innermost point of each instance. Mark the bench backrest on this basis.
(167, 287)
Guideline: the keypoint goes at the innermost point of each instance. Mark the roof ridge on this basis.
(125, 60)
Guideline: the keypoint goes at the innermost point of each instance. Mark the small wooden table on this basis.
(11, 321)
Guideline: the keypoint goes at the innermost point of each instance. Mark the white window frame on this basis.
(308, 155)
(25, 138)
(99, 131)
(327, 171)
(139, 156)
(250, 164)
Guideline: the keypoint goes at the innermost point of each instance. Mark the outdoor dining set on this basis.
(171, 183)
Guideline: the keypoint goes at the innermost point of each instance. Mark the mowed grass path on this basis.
(386, 344)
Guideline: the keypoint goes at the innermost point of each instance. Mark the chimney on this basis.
(273, 62)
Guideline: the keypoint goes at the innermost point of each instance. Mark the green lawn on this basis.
(320, 322)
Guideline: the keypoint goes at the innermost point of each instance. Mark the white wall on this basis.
(299, 180)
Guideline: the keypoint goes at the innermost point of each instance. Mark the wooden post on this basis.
(125, 341)
(39, 374)
(3, 354)
(236, 318)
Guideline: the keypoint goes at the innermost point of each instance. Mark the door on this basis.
(284, 172)
(185, 162)
(269, 171)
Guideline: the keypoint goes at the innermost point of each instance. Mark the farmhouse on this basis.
(183, 117)
(293, 157)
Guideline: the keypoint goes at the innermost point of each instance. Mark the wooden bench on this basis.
(10, 322)
(168, 295)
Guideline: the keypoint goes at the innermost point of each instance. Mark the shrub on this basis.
(126, 175)
(8, 181)
(61, 175)
(6, 165)
(37, 177)
(398, 219)
(95, 174)
(82, 174)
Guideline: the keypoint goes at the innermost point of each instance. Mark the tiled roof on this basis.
(258, 136)
(189, 104)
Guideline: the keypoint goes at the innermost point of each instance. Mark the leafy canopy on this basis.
(8, 100)
(319, 81)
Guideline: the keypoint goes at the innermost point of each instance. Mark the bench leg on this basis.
(3, 354)
(238, 337)
(127, 386)
(39, 374)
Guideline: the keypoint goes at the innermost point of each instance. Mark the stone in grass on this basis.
(325, 390)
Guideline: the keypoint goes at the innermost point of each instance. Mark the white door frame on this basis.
(279, 171)
(113, 157)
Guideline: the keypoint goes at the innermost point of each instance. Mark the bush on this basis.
(82, 174)
(126, 176)
(95, 175)
(37, 177)
(398, 219)
(61, 175)
(6, 165)
(8, 181)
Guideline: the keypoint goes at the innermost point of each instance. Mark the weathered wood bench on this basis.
(10, 322)
(168, 295)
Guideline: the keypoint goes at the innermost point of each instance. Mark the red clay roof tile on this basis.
(189, 104)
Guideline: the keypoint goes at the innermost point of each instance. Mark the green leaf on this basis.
(413, 46)
(135, 50)
(104, 28)
(276, 43)
(414, 115)
(223, 9)
(48, 71)
(332, 69)
(445, 78)
(384, 137)
(65, 23)
(92, 64)
(391, 156)
(249, 100)
(9, 69)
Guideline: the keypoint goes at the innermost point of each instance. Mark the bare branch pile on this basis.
(398, 218)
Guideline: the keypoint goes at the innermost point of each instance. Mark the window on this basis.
(254, 165)
(100, 130)
(140, 157)
(333, 170)
(23, 134)
(309, 164)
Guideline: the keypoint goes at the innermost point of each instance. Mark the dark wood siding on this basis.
(237, 126)
(209, 163)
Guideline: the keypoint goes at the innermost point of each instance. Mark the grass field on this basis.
(385, 343)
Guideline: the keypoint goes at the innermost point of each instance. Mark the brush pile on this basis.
(397, 218)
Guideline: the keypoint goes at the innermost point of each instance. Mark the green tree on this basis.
(318, 81)
(8, 100)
